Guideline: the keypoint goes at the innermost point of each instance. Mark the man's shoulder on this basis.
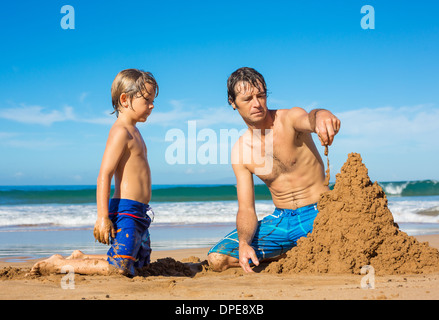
(289, 116)
(291, 112)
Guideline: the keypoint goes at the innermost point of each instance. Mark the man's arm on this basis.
(320, 121)
(114, 150)
(246, 219)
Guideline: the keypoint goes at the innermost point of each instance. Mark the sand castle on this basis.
(355, 228)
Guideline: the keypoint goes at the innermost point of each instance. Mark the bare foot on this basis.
(48, 266)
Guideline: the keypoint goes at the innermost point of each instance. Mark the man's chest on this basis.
(272, 156)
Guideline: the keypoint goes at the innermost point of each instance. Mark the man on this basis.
(278, 148)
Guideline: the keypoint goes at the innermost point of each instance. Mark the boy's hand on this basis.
(102, 230)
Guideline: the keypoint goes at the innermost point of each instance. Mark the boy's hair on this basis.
(244, 74)
(132, 82)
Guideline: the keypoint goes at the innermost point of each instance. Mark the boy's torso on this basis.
(133, 175)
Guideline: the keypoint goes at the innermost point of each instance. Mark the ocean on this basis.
(38, 221)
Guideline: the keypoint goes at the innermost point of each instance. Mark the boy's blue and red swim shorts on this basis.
(131, 248)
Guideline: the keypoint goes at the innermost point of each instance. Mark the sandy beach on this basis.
(354, 228)
(232, 284)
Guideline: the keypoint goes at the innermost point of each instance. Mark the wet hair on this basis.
(246, 75)
(132, 82)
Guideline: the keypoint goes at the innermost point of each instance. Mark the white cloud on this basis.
(83, 96)
(31, 143)
(19, 174)
(8, 135)
(396, 143)
(77, 177)
(391, 121)
(394, 128)
(182, 112)
(43, 116)
(179, 113)
(106, 119)
(37, 115)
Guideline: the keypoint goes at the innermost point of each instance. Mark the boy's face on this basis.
(142, 104)
(250, 102)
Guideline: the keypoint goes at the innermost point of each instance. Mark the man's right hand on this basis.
(246, 252)
(102, 230)
(326, 126)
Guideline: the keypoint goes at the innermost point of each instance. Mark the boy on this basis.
(122, 221)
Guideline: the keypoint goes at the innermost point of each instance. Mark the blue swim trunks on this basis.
(132, 247)
(275, 234)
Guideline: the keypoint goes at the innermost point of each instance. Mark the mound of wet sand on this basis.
(9, 273)
(171, 267)
(355, 228)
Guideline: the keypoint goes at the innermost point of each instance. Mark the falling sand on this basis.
(328, 175)
(355, 228)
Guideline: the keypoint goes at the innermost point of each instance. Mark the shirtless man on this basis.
(122, 221)
(291, 168)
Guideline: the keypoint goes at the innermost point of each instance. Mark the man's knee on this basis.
(220, 262)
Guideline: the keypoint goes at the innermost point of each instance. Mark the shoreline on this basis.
(227, 285)
(22, 245)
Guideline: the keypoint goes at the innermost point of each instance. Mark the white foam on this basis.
(85, 215)
(404, 209)
(410, 211)
(204, 212)
(394, 188)
(57, 215)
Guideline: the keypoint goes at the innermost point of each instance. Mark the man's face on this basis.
(250, 102)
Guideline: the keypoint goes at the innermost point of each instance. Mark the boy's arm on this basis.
(114, 150)
(320, 121)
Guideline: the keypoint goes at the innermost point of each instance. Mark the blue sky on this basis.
(55, 100)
